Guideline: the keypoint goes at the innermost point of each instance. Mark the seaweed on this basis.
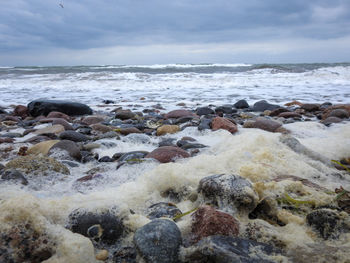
(287, 199)
(184, 214)
(342, 165)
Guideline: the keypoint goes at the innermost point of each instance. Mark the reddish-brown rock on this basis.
(167, 154)
(223, 123)
(21, 111)
(126, 131)
(207, 221)
(329, 110)
(179, 114)
(289, 115)
(101, 127)
(89, 120)
(57, 114)
(6, 140)
(264, 124)
(294, 102)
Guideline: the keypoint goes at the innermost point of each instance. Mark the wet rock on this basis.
(223, 123)
(231, 191)
(6, 140)
(163, 209)
(106, 159)
(88, 156)
(267, 210)
(263, 124)
(125, 255)
(167, 154)
(126, 131)
(207, 221)
(327, 223)
(289, 115)
(241, 104)
(124, 115)
(263, 105)
(310, 107)
(44, 107)
(64, 123)
(89, 120)
(84, 130)
(14, 175)
(158, 241)
(73, 136)
(55, 129)
(330, 120)
(204, 111)
(167, 142)
(137, 138)
(189, 145)
(339, 113)
(205, 124)
(277, 111)
(224, 109)
(58, 115)
(227, 249)
(39, 165)
(103, 227)
(67, 146)
(110, 134)
(11, 135)
(165, 129)
(42, 147)
(175, 114)
(101, 128)
(37, 139)
(21, 111)
(132, 156)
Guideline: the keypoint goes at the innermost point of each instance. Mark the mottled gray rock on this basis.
(14, 175)
(204, 111)
(204, 124)
(73, 136)
(132, 156)
(67, 146)
(163, 209)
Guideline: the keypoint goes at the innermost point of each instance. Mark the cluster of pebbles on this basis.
(57, 136)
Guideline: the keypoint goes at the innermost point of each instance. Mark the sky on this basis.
(115, 32)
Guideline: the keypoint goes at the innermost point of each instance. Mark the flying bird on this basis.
(61, 5)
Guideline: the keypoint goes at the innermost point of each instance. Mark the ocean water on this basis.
(254, 154)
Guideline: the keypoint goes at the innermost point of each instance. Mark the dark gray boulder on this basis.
(158, 241)
(73, 136)
(204, 111)
(44, 107)
(263, 105)
(241, 104)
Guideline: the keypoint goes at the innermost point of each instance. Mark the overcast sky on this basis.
(42, 32)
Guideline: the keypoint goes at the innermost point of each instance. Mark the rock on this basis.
(223, 123)
(327, 223)
(84, 130)
(37, 165)
(204, 111)
(263, 124)
(102, 227)
(73, 136)
(125, 255)
(6, 140)
(293, 103)
(188, 145)
(228, 249)
(310, 107)
(305, 182)
(58, 115)
(175, 114)
(89, 120)
(102, 255)
(167, 154)
(339, 113)
(64, 123)
(124, 115)
(330, 120)
(224, 109)
(167, 142)
(229, 191)
(207, 221)
(101, 128)
(44, 107)
(11, 135)
(165, 129)
(21, 111)
(132, 156)
(106, 159)
(263, 105)
(241, 104)
(127, 131)
(158, 241)
(204, 124)
(267, 210)
(289, 115)
(137, 138)
(55, 129)
(42, 147)
(14, 175)
(163, 209)
(37, 139)
(67, 146)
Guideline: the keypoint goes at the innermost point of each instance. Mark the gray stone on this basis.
(14, 175)
(263, 105)
(163, 209)
(73, 136)
(241, 104)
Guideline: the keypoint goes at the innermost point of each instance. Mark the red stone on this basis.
(223, 123)
(289, 115)
(167, 154)
(92, 120)
(21, 111)
(207, 221)
(126, 131)
(179, 114)
(57, 114)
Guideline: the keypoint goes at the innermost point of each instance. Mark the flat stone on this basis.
(167, 154)
(178, 114)
(263, 124)
(56, 129)
(42, 147)
(73, 136)
(223, 123)
(165, 129)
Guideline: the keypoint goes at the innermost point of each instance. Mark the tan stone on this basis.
(58, 128)
(102, 255)
(42, 147)
(167, 129)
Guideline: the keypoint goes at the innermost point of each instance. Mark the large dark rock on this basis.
(68, 147)
(205, 124)
(263, 105)
(163, 209)
(229, 191)
(227, 249)
(241, 104)
(158, 241)
(204, 111)
(73, 136)
(44, 107)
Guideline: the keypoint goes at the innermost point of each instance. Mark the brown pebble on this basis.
(102, 255)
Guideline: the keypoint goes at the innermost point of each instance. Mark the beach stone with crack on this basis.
(175, 114)
(67, 147)
(163, 209)
(44, 107)
(241, 104)
(165, 129)
(263, 105)
(228, 249)
(73, 136)
(263, 124)
(103, 227)
(204, 111)
(207, 221)
(229, 191)
(223, 123)
(167, 154)
(158, 241)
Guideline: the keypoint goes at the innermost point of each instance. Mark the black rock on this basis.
(310, 107)
(204, 111)
(125, 255)
(224, 109)
(124, 115)
(102, 227)
(106, 159)
(204, 124)
(87, 156)
(158, 241)
(189, 145)
(44, 107)
(163, 209)
(241, 104)
(73, 136)
(14, 175)
(108, 101)
(263, 105)
(183, 119)
(227, 249)
(132, 156)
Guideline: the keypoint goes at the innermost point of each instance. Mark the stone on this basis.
(229, 191)
(102, 255)
(167, 154)
(289, 115)
(241, 104)
(175, 114)
(224, 109)
(137, 138)
(310, 107)
(223, 123)
(263, 124)
(125, 255)
(21, 111)
(330, 120)
(56, 129)
(132, 156)
(207, 221)
(267, 210)
(42, 147)
(106, 159)
(103, 227)
(44, 107)
(37, 139)
(204, 111)
(39, 165)
(205, 124)
(73, 136)
(58, 115)
(163, 209)
(263, 105)
(67, 146)
(293, 103)
(188, 145)
(64, 123)
(6, 140)
(165, 129)
(158, 241)
(339, 113)
(14, 175)
(124, 115)
(89, 120)
(101, 128)
(127, 131)
(228, 249)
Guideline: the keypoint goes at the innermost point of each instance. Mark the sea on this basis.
(257, 155)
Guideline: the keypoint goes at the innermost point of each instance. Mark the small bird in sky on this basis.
(61, 5)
